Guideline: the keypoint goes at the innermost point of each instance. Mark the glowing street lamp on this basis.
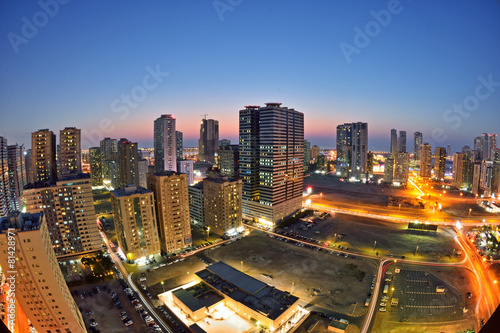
(163, 286)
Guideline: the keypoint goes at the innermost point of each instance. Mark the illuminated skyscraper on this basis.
(209, 140)
(401, 167)
(40, 288)
(426, 161)
(187, 167)
(462, 171)
(95, 166)
(43, 155)
(16, 176)
(389, 169)
(135, 222)
(70, 151)
(179, 144)
(4, 179)
(69, 210)
(128, 163)
(229, 156)
(307, 155)
(402, 142)
(417, 146)
(352, 149)
(439, 162)
(172, 209)
(165, 143)
(394, 142)
(271, 161)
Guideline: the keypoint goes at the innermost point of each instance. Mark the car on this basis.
(89, 312)
(383, 304)
(138, 306)
(382, 309)
(128, 323)
(143, 287)
(162, 264)
(156, 267)
(123, 313)
(93, 323)
(148, 319)
(142, 279)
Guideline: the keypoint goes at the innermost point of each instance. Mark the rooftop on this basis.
(187, 300)
(130, 190)
(21, 222)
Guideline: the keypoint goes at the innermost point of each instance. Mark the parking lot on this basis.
(100, 307)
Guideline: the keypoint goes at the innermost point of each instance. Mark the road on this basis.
(145, 301)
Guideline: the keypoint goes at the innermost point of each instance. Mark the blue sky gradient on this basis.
(75, 70)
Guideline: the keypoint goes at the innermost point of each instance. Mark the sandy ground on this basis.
(361, 234)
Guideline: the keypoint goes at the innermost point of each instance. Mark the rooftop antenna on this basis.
(205, 116)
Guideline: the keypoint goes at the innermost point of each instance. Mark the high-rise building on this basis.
(165, 143)
(402, 142)
(369, 163)
(486, 177)
(462, 173)
(352, 149)
(196, 205)
(29, 166)
(314, 152)
(448, 150)
(307, 155)
(128, 163)
(179, 144)
(439, 162)
(135, 222)
(16, 176)
(172, 209)
(389, 169)
(271, 161)
(70, 151)
(222, 204)
(109, 149)
(209, 140)
(43, 155)
(476, 178)
(401, 168)
(95, 166)
(111, 174)
(495, 180)
(229, 156)
(417, 145)
(4, 179)
(426, 161)
(69, 210)
(488, 146)
(142, 167)
(224, 142)
(394, 142)
(187, 167)
(40, 288)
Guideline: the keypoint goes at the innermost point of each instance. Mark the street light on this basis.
(208, 232)
(163, 286)
(468, 218)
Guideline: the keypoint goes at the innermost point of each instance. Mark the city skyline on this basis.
(404, 65)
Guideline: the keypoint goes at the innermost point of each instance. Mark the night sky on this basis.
(112, 67)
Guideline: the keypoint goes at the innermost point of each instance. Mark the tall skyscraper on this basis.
(70, 151)
(4, 178)
(229, 156)
(95, 166)
(109, 149)
(486, 177)
(179, 144)
(439, 162)
(307, 155)
(142, 174)
(208, 143)
(462, 173)
(271, 161)
(426, 161)
(352, 149)
(488, 146)
(478, 148)
(128, 163)
(187, 167)
(448, 150)
(417, 146)
(196, 204)
(389, 169)
(165, 143)
(135, 222)
(43, 155)
(40, 288)
(16, 176)
(476, 178)
(172, 209)
(394, 142)
(402, 142)
(28, 161)
(222, 204)
(69, 210)
(314, 153)
(401, 168)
